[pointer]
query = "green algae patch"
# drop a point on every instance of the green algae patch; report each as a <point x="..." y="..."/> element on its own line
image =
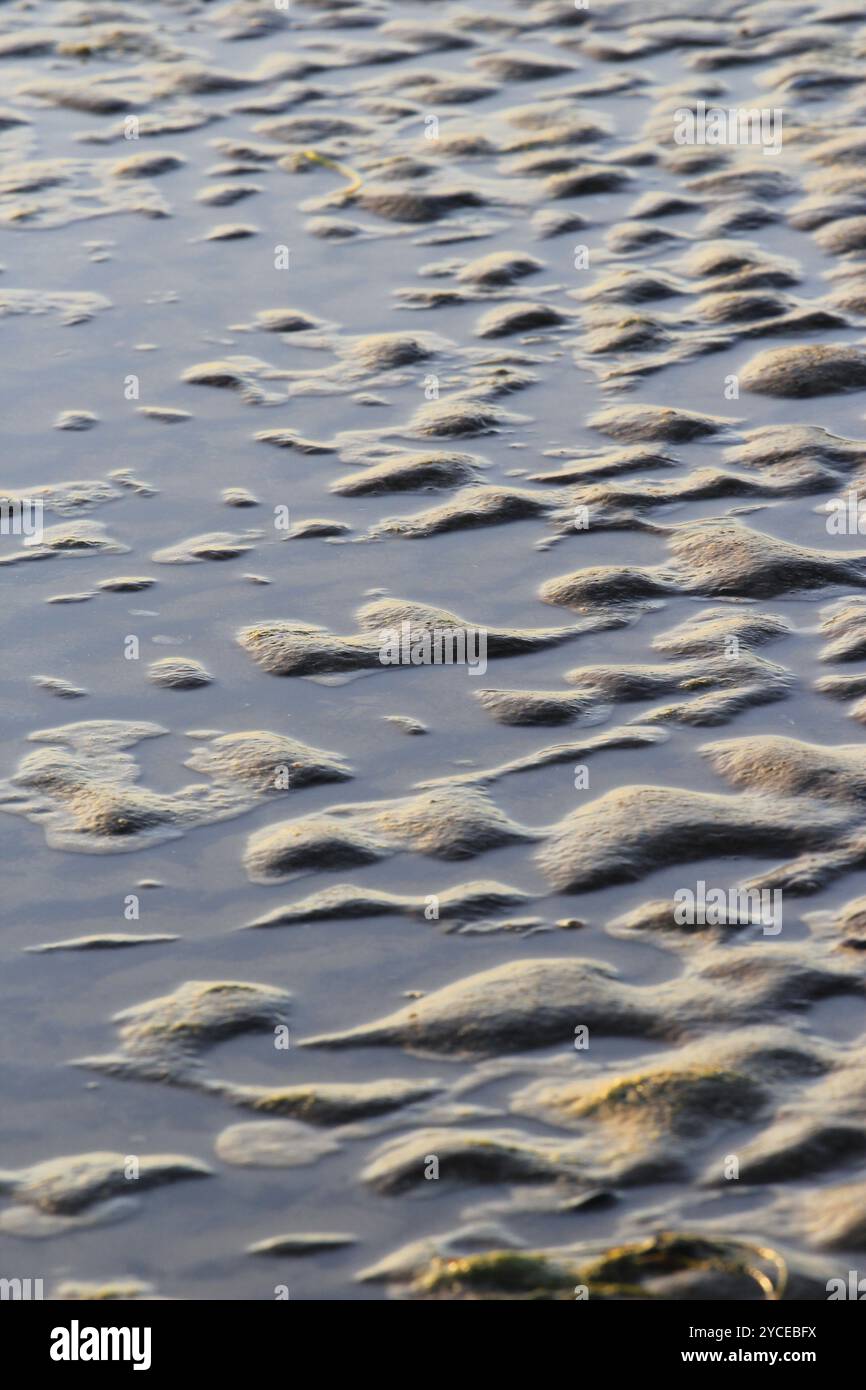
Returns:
<point x="646" y="1269"/>
<point x="498" y="1274"/>
<point x="623" y="1271"/>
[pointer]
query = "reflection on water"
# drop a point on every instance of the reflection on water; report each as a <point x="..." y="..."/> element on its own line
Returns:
<point x="329" y="323"/>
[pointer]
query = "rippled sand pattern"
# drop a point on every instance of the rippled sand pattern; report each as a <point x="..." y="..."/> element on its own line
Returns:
<point x="331" y="327"/>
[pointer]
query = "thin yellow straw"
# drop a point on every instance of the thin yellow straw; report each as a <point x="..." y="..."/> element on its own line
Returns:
<point x="355" y="178"/>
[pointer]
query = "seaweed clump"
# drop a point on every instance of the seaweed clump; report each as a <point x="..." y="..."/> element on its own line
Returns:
<point x="643" y="1269"/>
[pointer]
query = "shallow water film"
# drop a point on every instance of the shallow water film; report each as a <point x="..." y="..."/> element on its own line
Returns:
<point x="432" y="770"/>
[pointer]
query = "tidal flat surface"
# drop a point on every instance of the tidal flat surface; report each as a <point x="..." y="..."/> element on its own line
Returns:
<point x="343" y="980"/>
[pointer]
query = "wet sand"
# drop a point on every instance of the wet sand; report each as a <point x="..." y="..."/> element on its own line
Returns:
<point x="325" y="320"/>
